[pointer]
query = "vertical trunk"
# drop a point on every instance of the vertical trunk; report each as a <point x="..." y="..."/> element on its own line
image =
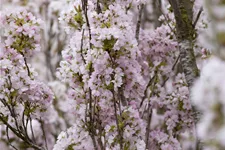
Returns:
<point x="157" y="12"/>
<point x="185" y="35"/>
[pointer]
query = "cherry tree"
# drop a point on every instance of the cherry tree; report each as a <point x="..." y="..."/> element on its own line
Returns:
<point x="123" y="81"/>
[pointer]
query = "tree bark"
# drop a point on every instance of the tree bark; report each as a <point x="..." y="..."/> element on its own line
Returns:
<point x="185" y="34"/>
<point x="157" y="12"/>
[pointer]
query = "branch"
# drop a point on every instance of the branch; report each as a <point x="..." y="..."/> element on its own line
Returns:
<point x="32" y="131"/>
<point x="44" y="135"/>
<point x="148" y="125"/>
<point x="146" y="89"/>
<point x="117" y="122"/>
<point x="28" y="70"/>
<point x="36" y="147"/>
<point x="139" y="22"/>
<point x="173" y="67"/>
<point x="92" y="130"/>
<point x="198" y="16"/>
<point x="167" y="21"/>
<point x="7" y="134"/>
<point x="81" y="46"/>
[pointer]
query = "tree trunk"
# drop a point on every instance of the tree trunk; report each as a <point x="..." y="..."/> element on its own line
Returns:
<point x="185" y="34"/>
<point x="157" y="12"/>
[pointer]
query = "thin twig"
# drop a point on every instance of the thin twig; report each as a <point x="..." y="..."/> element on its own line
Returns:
<point x="25" y="61"/>
<point x="167" y="21"/>
<point x="198" y="16"/>
<point x="173" y="67"/>
<point x="36" y="147"/>
<point x="32" y="131"/>
<point x="146" y="89"/>
<point x="81" y="46"/>
<point x="7" y="134"/>
<point x="92" y="130"/>
<point x="148" y="125"/>
<point x="25" y="125"/>
<point x="120" y="134"/>
<point x="44" y="135"/>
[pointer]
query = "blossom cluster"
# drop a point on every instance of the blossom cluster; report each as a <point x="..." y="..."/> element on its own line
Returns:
<point x="107" y="71"/>
<point x="104" y="69"/>
<point x="23" y="97"/>
<point x="22" y="31"/>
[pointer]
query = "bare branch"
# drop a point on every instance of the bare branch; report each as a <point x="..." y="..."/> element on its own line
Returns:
<point x="148" y="125"/>
<point x="198" y="16"/>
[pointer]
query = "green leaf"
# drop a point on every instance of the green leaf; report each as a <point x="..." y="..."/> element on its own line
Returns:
<point x="110" y="86"/>
<point x="112" y="128"/>
<point x="109" y="44"/>
<point x="70" y="147"/>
